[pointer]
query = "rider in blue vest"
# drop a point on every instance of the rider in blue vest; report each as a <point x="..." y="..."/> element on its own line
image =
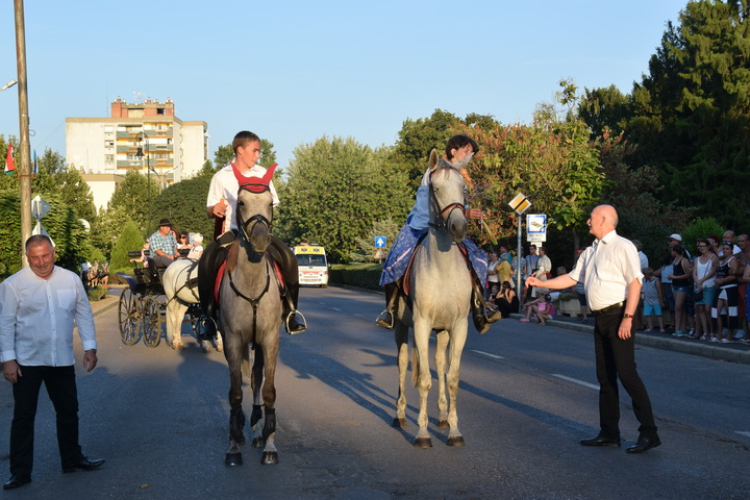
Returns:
<point x="458" y="147"/>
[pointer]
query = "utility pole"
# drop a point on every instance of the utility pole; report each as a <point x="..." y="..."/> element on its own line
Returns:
<point x="24" y="173"/>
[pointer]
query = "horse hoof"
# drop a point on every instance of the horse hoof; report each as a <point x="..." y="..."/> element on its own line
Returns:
<point x="270" y="458"/>
<point x="423" y="443"/>
<point x="233" y="459"/>
<point x="399" y="422"/>
<point x="258" y="443"/>
<point x="456" y="441"/>
<point x="443" y="424"/>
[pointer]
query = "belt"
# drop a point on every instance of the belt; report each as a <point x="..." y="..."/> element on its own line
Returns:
<point x="608" y="309"/>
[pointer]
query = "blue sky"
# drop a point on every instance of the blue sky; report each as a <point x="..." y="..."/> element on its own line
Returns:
<point x="295" y="71"/>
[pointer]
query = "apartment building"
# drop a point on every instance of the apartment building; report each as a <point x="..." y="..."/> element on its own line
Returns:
<point x="145" y="137"/>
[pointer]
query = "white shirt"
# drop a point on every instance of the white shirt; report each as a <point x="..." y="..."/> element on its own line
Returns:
<point x="37" y="318"/>
<point x="643" y="259"/>
<point x="224" y="185"/>
<point x="606" y="268"/>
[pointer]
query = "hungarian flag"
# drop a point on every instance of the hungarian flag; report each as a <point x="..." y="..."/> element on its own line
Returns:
<point x="10" y="165"/>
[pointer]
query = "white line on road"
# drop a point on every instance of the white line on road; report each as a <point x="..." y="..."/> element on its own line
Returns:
<point x="336" y="309"/>
<point x="743" y="433"/>
<point x="488" y="354"/>
<point x="576" y="381"/>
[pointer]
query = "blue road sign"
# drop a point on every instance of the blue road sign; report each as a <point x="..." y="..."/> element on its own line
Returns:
<point x="380" y="242"/>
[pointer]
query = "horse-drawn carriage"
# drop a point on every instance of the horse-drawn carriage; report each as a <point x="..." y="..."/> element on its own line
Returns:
<point x="143" y="306"/>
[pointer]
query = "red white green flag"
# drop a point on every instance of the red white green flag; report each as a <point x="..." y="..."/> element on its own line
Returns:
<point x="10" y="165"/>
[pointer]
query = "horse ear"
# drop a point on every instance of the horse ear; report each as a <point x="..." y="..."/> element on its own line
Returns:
<point x="433" y="159"/>
<point x="269" y="174"/>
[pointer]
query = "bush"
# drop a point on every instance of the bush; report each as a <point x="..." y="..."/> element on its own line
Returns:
<point x="129" y="239"/>
<point x="97" y="293"/>
<point x="361" y="275"/>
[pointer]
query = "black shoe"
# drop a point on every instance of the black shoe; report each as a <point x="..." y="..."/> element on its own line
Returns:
<point x="16" y="481"/>
<point x="295" y="323"/>
<point x="84" y="464"/>
<point x="644" y="444"/>
<point x="601" y="441"/>
<point x="385" y="319"/>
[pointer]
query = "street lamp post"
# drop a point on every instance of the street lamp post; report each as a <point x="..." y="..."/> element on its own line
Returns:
<point x="142" y="137"/>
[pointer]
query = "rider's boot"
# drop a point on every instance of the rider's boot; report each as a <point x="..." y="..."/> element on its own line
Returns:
<point x="386" y="318"/>
<point x="482" y="314"/>
<point x="294" y="321"/>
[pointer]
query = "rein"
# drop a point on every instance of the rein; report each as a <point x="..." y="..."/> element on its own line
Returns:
<point x="253" y="301"/>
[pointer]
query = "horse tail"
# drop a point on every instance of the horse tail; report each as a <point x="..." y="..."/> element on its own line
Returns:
<point x="414" y="363"/>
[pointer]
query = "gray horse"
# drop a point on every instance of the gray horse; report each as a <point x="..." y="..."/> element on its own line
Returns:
<point x="250" y="314"/>
<point x="440" y="289"/>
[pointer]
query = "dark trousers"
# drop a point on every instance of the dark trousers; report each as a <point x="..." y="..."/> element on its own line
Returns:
<point x="61" y="387"/>
<point x="215" y="254"/>
<point x="616" y="358"/>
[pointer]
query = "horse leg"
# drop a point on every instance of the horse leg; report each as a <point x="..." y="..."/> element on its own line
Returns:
<point x="175" y="313"/>
<point x="236" y="415"/>
<point x="256" y="383"/>
<point x="270" y="453"/>
<point x="458" y="339"/>
<point x="402" y="347"/>
<point x="440" y="360"/>
<point x="424" y="380"/>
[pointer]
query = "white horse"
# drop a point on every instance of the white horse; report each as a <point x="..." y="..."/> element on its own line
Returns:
<point x="181" y="288"/>
<point x="440" y="288"/>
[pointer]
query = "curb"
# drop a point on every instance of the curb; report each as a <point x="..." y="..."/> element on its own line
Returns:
<point x="685" y="346"/>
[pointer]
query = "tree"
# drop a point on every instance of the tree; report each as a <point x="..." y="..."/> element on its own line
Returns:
<point x="184" y="204"/>
<point x="128" y="239"/>
<point x="336" y="189"/>
<point x="605" y="108"/>
<point x="691" y="113"/>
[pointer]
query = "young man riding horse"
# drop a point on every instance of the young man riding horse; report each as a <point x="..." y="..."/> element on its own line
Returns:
<point x="458" y="147"/>
<point x="221" y="204"/>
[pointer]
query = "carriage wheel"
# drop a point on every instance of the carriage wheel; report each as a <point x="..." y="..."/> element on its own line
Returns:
<point x="130" y="315"/>
<point x="151" y="322"/>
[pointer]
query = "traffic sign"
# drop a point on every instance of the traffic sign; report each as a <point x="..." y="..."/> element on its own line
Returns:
<point x="380" y="242"/>
<point x="520" y="203"/>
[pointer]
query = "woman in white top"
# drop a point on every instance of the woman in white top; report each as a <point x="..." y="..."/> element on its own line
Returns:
<point x="704" y="278"/>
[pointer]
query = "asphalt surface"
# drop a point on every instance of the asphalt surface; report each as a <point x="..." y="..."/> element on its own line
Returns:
<point x="736" y="352"/>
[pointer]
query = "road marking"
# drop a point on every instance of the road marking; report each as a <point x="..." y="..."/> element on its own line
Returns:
<point x="576" y="381"/>
<point x="495" y="356"/>
<point x="336" y="309"/>
<point x="743" y="433"/>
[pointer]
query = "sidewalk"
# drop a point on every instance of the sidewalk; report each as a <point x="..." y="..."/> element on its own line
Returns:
<point x="111" y="300"/>
<point x="736" y="352"/>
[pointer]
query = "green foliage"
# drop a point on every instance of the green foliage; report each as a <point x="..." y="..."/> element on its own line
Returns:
<point x="360" y="275"/>
<point x="68" y="234"/>
<point x="700" y="228"/>
<point x="129" y="239"/>
<point x="184" y="204"/>
<point x="336" y="189"/>
<point x="691" y="113"/>
<point x="97" y="293"/>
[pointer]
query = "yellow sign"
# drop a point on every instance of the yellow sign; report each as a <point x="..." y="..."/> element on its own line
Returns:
<point x="520" y="203"/>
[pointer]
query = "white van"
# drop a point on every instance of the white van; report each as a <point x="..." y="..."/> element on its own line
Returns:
<point x="313" y="265"/>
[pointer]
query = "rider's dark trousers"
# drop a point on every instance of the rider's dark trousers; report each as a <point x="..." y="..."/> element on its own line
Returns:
<point x="215" y="254"/>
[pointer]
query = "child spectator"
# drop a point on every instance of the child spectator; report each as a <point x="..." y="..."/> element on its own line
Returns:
<point x="542" y="307"/>
<point x="653" y="299"/>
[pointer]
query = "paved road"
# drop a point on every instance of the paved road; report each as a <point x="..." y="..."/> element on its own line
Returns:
<point x="527" y="396"/>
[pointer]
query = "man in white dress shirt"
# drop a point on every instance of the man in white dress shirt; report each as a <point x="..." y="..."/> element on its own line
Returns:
<point x="611" y="273"/>
<point x="39" y="306"/>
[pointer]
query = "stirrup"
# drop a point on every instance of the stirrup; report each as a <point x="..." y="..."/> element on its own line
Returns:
<point x="288" y="321"/>
<point x="386" y="320"/>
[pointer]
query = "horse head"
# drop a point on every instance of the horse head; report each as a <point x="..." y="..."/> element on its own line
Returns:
<point x="255" y="210"/>
<point x="448" y="196"/>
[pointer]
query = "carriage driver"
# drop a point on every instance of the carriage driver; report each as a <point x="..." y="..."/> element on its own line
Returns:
<point x="458" y="147"/>
<point x="221" y="203"/>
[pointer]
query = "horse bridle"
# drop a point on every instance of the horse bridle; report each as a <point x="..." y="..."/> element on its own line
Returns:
<point x="450" y="207"/>
<point x="243" y="224"/>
